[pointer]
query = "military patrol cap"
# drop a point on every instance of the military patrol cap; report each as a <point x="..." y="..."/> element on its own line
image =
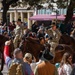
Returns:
<point x="19" y="20"/>
<point x="13" y="21"/>
<point x="53" y="24"/>
<point x="46" y="55"/>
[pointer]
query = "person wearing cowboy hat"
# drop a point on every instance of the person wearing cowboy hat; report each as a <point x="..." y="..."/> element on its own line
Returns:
<point x="54" y="35"/>
<point x="45" y="67"/>
<point x="18" y="33"/>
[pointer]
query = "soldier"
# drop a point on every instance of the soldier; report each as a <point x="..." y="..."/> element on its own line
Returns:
<point x="18" y="33"/>
<point x="54" y="35"/>
<point x="16" y="66"/>
<point x="35" y="27"/>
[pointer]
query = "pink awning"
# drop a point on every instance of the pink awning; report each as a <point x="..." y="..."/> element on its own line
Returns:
<point x="46" y="17"/>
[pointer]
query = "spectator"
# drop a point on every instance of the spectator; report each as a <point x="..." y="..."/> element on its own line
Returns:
<point x="73" y="60"/>
<point x="12" y="27"/>
<point x="73" y="71"/>
<point x="35" y="27"/>
<point x="34" y="64"/>
<point x="62" y="28"/>
<point x="16" y="66"/>
<point x="13" y="23"/>
<point x="45" y="67"/>
<point x="28" y="58"/>
<point x="40" y="33"/>
<point x="42" y="27"/>
<point x="6" y="34"/>
<point x="73" y="25"/>
<point x="4" y="29"/>
<point x="1" y="28"/>
<point x="65" y="65"/>
<point x="42" y="40"/>
<point x="46" y="38"/>
<point x="1" y="73"/>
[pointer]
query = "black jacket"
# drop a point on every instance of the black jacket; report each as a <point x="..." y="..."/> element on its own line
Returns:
<point x="73" y="71"/>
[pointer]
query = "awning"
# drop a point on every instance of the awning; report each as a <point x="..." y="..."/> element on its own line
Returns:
<point x="46" y="17"/>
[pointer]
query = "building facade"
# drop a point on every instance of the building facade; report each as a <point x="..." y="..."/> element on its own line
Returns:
<point x="49" y="11"/>
<point x="18" y="13"/>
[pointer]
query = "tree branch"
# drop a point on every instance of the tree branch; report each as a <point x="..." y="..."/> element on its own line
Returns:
<point x="11" y="2"/>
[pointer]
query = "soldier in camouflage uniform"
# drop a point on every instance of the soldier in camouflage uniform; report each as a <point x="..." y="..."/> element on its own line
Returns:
<point x="16" y="66"/>
<point x="18" y="33"/>
<point x="54" y="35"/>
<point x="73" y="34"/>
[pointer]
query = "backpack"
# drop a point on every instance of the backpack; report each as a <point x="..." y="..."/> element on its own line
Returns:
<point x="15" y="69"/>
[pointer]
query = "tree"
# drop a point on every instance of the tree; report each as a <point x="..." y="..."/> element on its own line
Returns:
<point x="6" y="4"/>
<point x="70" y="9"/>
<point x="68" y="4"/>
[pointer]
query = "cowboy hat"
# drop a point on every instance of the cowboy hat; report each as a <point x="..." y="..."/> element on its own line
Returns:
<point x="53" y="24"/>
<point x="46" y="55"/>
<point x="19" y="20"/>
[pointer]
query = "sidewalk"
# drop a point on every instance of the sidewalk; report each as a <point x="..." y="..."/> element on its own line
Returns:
<point x="5" y="70"/>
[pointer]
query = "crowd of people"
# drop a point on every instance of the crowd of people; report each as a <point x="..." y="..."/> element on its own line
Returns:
<point x="27" y="65"/>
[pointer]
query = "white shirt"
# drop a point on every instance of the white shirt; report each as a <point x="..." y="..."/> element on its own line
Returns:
<point x="67" y="69"/>
<point x="33" y="65"/>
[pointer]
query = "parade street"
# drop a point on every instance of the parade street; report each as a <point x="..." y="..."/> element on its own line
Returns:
<point x="5" y="70"/>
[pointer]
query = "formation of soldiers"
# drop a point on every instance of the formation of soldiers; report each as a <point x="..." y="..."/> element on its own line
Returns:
<point x="53" y="33"/>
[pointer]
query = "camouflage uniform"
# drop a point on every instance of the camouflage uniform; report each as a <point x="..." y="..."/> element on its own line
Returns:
<point x="18" y="35"/>
<point x="54" y="38"/>
<point x="73" y="34"/>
